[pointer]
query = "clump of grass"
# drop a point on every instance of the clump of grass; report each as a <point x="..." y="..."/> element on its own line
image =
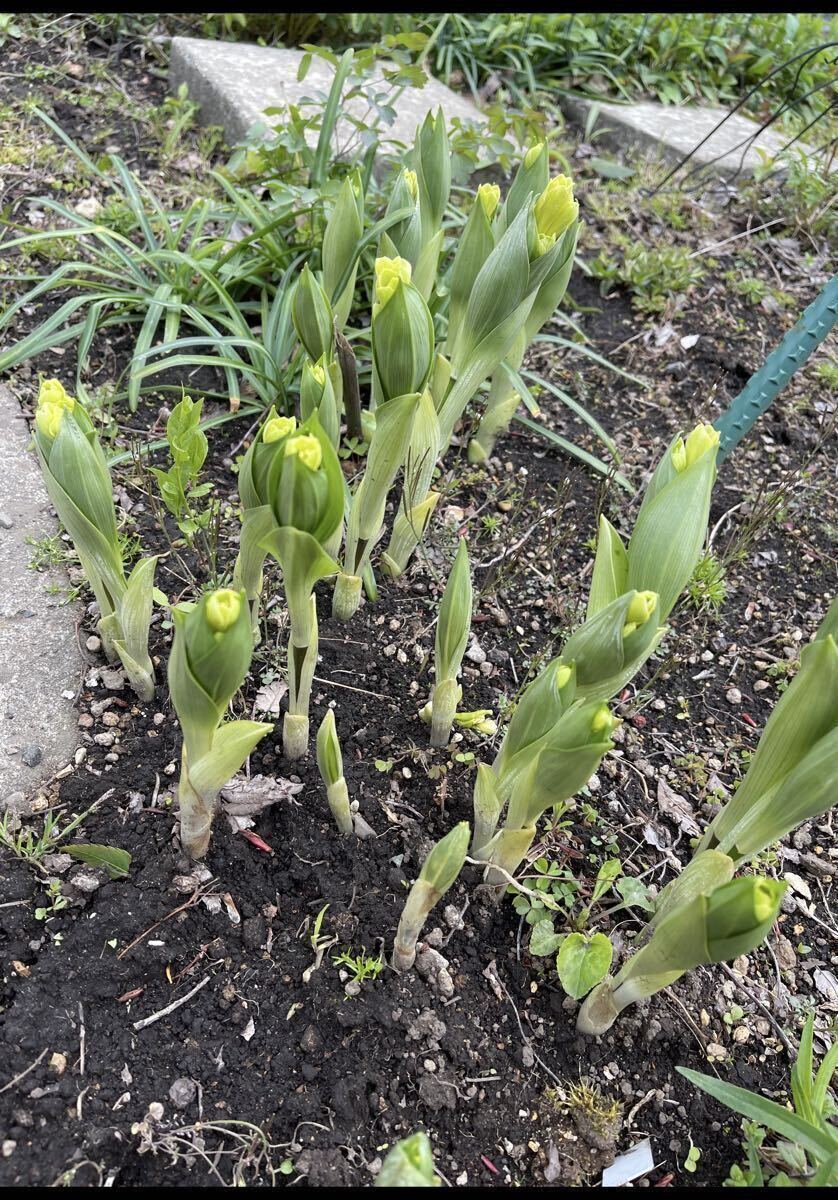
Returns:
<point x="707" y="590"/>
<point x="587" y="1104"/>
<point x="654" y="275"/>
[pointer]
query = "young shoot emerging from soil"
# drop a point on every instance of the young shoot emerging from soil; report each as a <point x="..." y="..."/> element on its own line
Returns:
<point x="439" y="870"/>
<point x="210" y="658"/>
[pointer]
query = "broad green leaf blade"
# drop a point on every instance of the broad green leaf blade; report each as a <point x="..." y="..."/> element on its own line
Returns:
<point x="590" y="460"/>
<point x="543" y="940"/>
<point x="820" y="1143"/>
<point x="610" y="574"/>
<point x="583" y="962"/>
<point x="115" y="861"/>
<point x="231" y="745"/>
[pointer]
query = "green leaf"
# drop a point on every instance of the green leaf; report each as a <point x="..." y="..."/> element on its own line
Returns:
<point x="454" y="617"/>
<point x="596" y="464"/>
<point x="543" y="940"/>
<point x="635" y="894"/>
<point x="610" y="169"/>
<point x="231" y="745"/>
<point x="583" y="962"/>
<point x="115" y="861"/>
<point x="608" y="872"/>
<point x="610" y="574"/>
<point x="820" y="1143"/>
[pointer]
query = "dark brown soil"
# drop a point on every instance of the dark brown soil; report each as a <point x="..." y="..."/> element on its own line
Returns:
<point x="331" y="1079"/>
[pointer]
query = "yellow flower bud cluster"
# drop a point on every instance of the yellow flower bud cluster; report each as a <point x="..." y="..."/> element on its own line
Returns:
<point x="278" y="428"/>
<point x="53" y="402"/>
<point x="318" y="374"/>
<point x="411" y="183"/>
<point x="389" y="273"/>
<point x="639" y="611"/>
<point x="222" y="609"/>
<point x="307" y="449"/>
<point x="489" y="196"/>
<point x="603" y="721"/>
<point x="555" y="211"/>
<point x="702" y="438"/>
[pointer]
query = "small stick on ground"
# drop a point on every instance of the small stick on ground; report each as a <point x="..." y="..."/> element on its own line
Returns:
<point x="23" y="1074"/>
<point x="193" y="899"/>
<point x="164" y="1012"/>
<point x="82" y="1039"/>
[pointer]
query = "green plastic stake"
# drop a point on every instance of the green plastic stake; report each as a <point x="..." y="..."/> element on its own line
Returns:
<point x="756" y="396"/>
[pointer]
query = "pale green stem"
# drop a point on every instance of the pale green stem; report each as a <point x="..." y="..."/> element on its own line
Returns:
<point x="485" y="825"/>
<point x="338" y="796"/>
<point x="302" y="662"/>
<point x="408" y="531"/>
<point x="107" y="637"/>
<point x="608" y="999"/>
<point x="420" y="901"/>
<point x="500" y="409"/>
<point x="196" y="814"/>
<point x="444" y="701"/>
<point x="346" y="596"/>
<point x="140" y="678"/>
<point x="508" y="850"/>
<point x="248" y="572"/>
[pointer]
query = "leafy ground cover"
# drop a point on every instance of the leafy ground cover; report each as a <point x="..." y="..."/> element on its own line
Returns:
<point x="283" y="1064"/>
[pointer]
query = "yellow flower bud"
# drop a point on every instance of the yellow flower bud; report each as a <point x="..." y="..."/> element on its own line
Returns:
<point x="48" y="418"/>
<point x="222" y="609"/>
<point x="411" y="182"/>
<point x="702" y="438"/>
<point x="563" y="674"/>
<point x="641" y="608"/>
<point x="555" y="211"/>
<point x="602" y="721"/>
<point x="389" y="273"/>
<point x="52" y="392"/>
<point x="307" y="449"/>
<point x="278" y="428"/>
<point x="318" y="374"/>
<point x="489" y="196"/>
<point x="533" y="154"/>
<point x="679" y="455"/>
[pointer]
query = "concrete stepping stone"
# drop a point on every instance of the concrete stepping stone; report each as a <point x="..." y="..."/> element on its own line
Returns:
<point x="39" y="655"/>
<point x="234" y="82"/>
<point x="675" y="131"/>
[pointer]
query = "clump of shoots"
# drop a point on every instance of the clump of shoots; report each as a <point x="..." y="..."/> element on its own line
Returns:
<point x="585" y="1100"/>
<point x="362" y="966"/>
<point x="330" y="765"/>
<point x="707" y="590"/>
<point x="78" y="481"/>
<point x="210" y="658"/>
<point x="439" y="870"/>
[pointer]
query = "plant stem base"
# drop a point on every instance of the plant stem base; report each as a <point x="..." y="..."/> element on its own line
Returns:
<point x="295" y="735"/>
<point x="347" y="596"/>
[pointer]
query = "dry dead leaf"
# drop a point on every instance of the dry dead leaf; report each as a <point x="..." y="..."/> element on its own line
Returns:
<point x="269" y="697"/>
<point x="678" y="809"/>
<point x="243" y="798"/>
